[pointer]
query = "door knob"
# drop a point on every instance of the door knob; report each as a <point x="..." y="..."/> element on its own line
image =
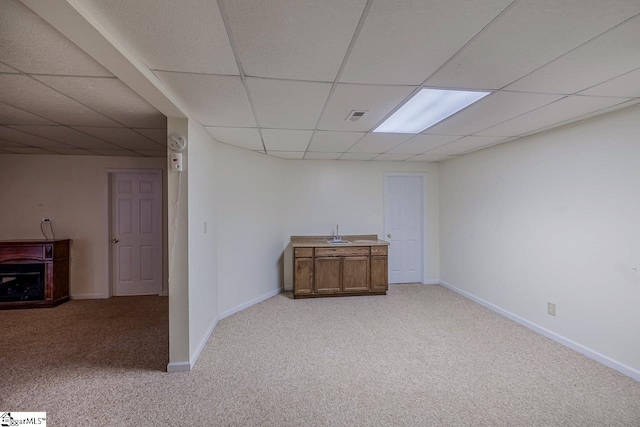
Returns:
<point x="389" y="235"/>
<point x="115" y="240"/>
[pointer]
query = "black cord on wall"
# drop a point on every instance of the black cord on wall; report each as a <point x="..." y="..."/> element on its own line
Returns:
<point x="42" y="227"/>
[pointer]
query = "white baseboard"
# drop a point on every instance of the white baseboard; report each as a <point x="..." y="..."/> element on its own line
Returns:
<point x="178" y="367"/>
<point x="249" y="303"/>
<point x="592" y="354"/>
<point x="89" y="296"/>
<point x="186" y="366"/>
<point x="194" y="358"/>
<point x="431" y="282"/>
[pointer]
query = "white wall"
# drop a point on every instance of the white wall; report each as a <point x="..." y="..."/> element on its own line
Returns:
<point x="73" y="192"/>
<point x="203" y="280"/>
<point x="178" y="254"/>
<point x="553" y="217"/>
<point x="320" y="194"/>
<point x="249" y="210"/>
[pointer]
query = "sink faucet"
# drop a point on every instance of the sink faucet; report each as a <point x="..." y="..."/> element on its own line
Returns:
<point x="337" y="236"/>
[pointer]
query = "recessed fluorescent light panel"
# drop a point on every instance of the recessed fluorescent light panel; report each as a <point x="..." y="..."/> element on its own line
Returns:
<point x="428" y="107"/>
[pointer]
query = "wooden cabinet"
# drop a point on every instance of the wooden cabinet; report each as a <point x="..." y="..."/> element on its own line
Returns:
<point x="355" y="274"/>
<point x="303" y="270"/>
<point x="333" y="271"/>
<point x="328" y="274"/>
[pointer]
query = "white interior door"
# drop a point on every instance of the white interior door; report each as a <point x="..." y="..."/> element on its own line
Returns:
<point x="403" y="219"/>
<point x="136" y="233"/>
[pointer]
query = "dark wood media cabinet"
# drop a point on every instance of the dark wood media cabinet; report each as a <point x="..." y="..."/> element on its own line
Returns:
<point x="34" y="273"/>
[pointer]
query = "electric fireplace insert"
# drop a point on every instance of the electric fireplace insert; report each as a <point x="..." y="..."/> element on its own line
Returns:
<point x="34" y="273"/>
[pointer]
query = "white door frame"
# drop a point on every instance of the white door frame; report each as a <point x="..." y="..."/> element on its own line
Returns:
<point x="423" y="209"/>
<point x="110" y="172"/>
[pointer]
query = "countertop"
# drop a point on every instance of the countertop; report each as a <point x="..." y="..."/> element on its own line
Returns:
<point x="322" y="241"/>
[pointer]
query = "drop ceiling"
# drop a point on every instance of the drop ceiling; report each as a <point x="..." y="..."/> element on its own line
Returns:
<point x="55" y="99"/>
<point x="283" y="76"/>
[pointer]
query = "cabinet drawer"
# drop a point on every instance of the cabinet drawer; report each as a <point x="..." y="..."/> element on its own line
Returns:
<point x="303" y="252"/>
<point x="378" y="250"/>
<point x="350" y="251"/>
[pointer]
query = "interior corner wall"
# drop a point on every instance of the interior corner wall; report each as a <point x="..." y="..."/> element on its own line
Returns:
<point x="73" y="192"/>
<point x="322" y="193"/>
<point x="553" y="218"/>
<point x="203" y="271"/>
<point x="178" y="258"/>
<point x="249" y="222"/>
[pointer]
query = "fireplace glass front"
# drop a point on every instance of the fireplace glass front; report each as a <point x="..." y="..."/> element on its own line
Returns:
<point x="21" y="282"/>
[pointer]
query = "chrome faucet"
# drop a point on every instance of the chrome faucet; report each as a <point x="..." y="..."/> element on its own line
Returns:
<point x="336" y="236"/>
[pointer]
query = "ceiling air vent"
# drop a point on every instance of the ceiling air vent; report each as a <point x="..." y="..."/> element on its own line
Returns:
<point x="356" y="115"/>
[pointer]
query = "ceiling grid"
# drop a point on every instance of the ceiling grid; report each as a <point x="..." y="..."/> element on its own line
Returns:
<point x="282" y="76"/>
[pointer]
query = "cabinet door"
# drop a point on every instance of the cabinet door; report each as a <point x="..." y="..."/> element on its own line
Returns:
<point x="327" y="274"/>
<point x="355" y="274"/>
<point x="303" y="276"/>
<point x="379" y="275"/>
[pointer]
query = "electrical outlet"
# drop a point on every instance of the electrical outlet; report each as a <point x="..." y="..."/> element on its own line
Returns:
<point x="551" y="308"/>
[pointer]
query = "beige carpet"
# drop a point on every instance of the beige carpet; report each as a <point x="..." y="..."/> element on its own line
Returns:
<point x="420" y="356"/>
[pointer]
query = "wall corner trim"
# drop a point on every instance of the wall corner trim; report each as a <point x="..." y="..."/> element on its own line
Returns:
<point x="592" y="354"/>
<point x="249" y="303"/>
<point x="220" y="316"/>
<point x="178" y="367"/>
<point x="203" y="343"/>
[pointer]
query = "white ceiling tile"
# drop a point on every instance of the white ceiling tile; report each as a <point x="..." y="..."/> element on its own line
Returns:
<point x="379" y="142"/>
<point x="329" y="141"/>
<point x="288" y="104"/>
<point x="6" y="69"/>
<point x="491" y="110"/>
<point x="421" y="143"/>
<point x="30" y="95"/>
<point x="31" y="45"/>
<point x="168" y="34"/>
<point x="358" y="156"/>
<point x="66" y="135"/>
<point x="428" y="158"/>
<point x="73" y="152"/>
<point x="392" y="157"/>
<point x="211" y="100"/>
<point x="13" y="116"/>
<point x="17" y="136"/>
<point x="286" y="140"/>
<point x="377" y="100"/>
<point x="158" y="135"/>
<point x="248" y="138"/>
<point x="118" y="153"/>
<point x="557" y="112"/>
<point x="405" y="42"/>
<point x="625" y="85"/>
<point x="110" y="97"/>
<point x="617" y="52"/>
<point x="152" y="153"/>
<point x="293" y="39"/>
<point x="28" y="150"/>
<point x="322" y="156"/>
<point x="468" y="143"/>
<point x="122" y="137"/>
<point x="527" y="36"/>
<point x="287" y="154"/>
